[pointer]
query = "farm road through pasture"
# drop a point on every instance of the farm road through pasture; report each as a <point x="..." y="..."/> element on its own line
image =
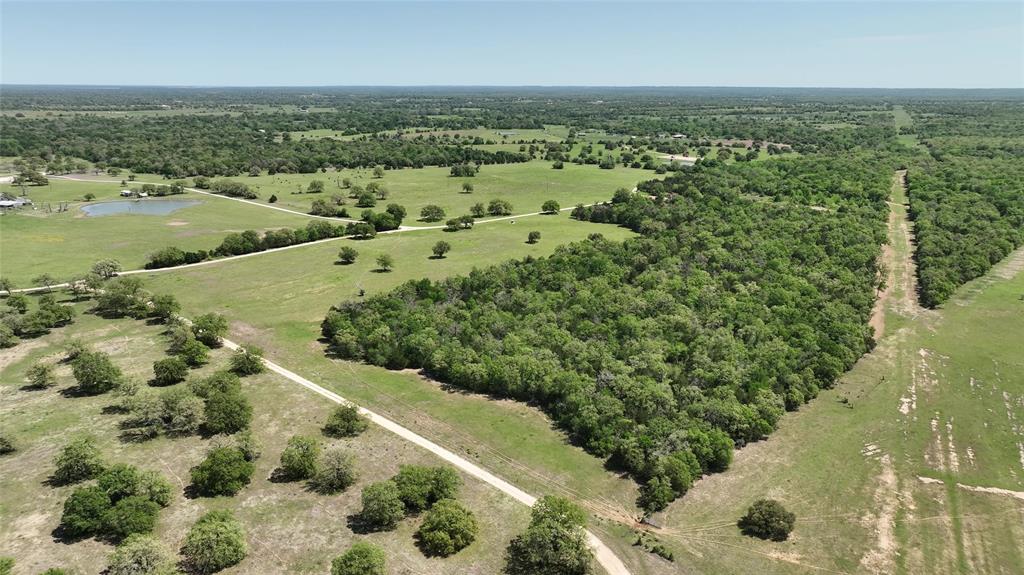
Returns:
<point x="604" y="555"/>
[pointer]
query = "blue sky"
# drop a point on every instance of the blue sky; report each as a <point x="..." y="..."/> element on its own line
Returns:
<point x="834" y="44"/>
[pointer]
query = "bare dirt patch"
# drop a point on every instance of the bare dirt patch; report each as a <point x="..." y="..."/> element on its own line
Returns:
<point x="882" y="557"/>
<point x="13" y="355"/>
<point x="177" y="223"/>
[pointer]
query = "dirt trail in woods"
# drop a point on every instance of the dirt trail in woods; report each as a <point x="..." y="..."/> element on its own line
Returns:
<point x="897" y="258"/>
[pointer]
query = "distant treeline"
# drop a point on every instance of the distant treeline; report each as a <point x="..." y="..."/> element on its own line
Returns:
<point x="189" y="145"/>
<point x="664" y="351"/>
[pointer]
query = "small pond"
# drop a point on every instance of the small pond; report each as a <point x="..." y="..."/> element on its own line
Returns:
<point x="144" y="207"/>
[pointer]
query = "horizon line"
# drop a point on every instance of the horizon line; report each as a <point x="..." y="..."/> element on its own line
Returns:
<point x="586" y="86"/>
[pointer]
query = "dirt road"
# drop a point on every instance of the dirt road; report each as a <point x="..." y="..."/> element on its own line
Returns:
<point x="604" y="555"/>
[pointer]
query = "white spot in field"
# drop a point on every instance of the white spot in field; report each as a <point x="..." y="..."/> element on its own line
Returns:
<point x="954" y="459"/>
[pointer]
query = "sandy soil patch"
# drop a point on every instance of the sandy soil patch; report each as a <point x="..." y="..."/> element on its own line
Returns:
<point x="177" y="223"/>
<point x="882" y="557"/>
<point x="13" y="355"/>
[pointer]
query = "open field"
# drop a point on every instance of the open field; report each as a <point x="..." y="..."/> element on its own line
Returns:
<point x="33" y="241"/>
<point x="289" y="528"/>
<point x="526" y="186"/>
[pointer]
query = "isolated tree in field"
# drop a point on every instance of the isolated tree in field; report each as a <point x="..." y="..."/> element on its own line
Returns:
<point x="272" y="199"/>
<point x="385" y="262"/>
<point x="361" y="559"/>
<point x="533" y="237"/>
<point x="378" y="171"/>
<point x="448" y="528"/>
<point x="315" y="187"/>
<point x="345" y="421"/>
<point x="467" y="188"/>
<point x="558" y="165"/>
<point x="107" y="268"/>
<point x="45" y="280"/>
<point x="300" y="458"/>
<point x="141" y="554"/>
<point x="382" y="506"/>
<point x="215" y="542"/>
<point x="767" y="519"/>
<point x="80" y="459"/>
<point x="94" y="372"/>
<point x="499" y="207"/>
<point x="478" y="210"/>
<point x="440" y="249"/>
<point x="225" y="471"/>
<point x="347" y="255"/>
<point x="169" y="371"/>
<point x="165" y="307"/>
<point x="335" y="473"/>
<point x="6" y="285"/>
<point x="550" y="207"/>
<point x="41" y="375"/>
<point x="227" y="411"/>
<point x="554" y="542"/>
<point x="346" y="183"/>
<point x="432" y="213"/>
<point x="209" y="328"/>
<point x="247" y="360"/>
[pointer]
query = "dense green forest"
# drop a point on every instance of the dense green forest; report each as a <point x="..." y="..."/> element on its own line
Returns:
<point x="736" y="302"/>
<point x="967" y="199"/>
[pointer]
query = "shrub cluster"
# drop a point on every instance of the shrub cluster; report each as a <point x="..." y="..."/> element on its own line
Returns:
<point x="125" y="501"/>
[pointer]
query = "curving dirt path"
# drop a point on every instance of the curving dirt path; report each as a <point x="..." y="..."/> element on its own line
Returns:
<point x="604" y="555"/>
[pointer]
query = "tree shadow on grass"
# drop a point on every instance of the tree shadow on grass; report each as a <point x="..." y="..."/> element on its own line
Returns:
<point x="360" y="526"/>
<point x="61" y="535"/>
